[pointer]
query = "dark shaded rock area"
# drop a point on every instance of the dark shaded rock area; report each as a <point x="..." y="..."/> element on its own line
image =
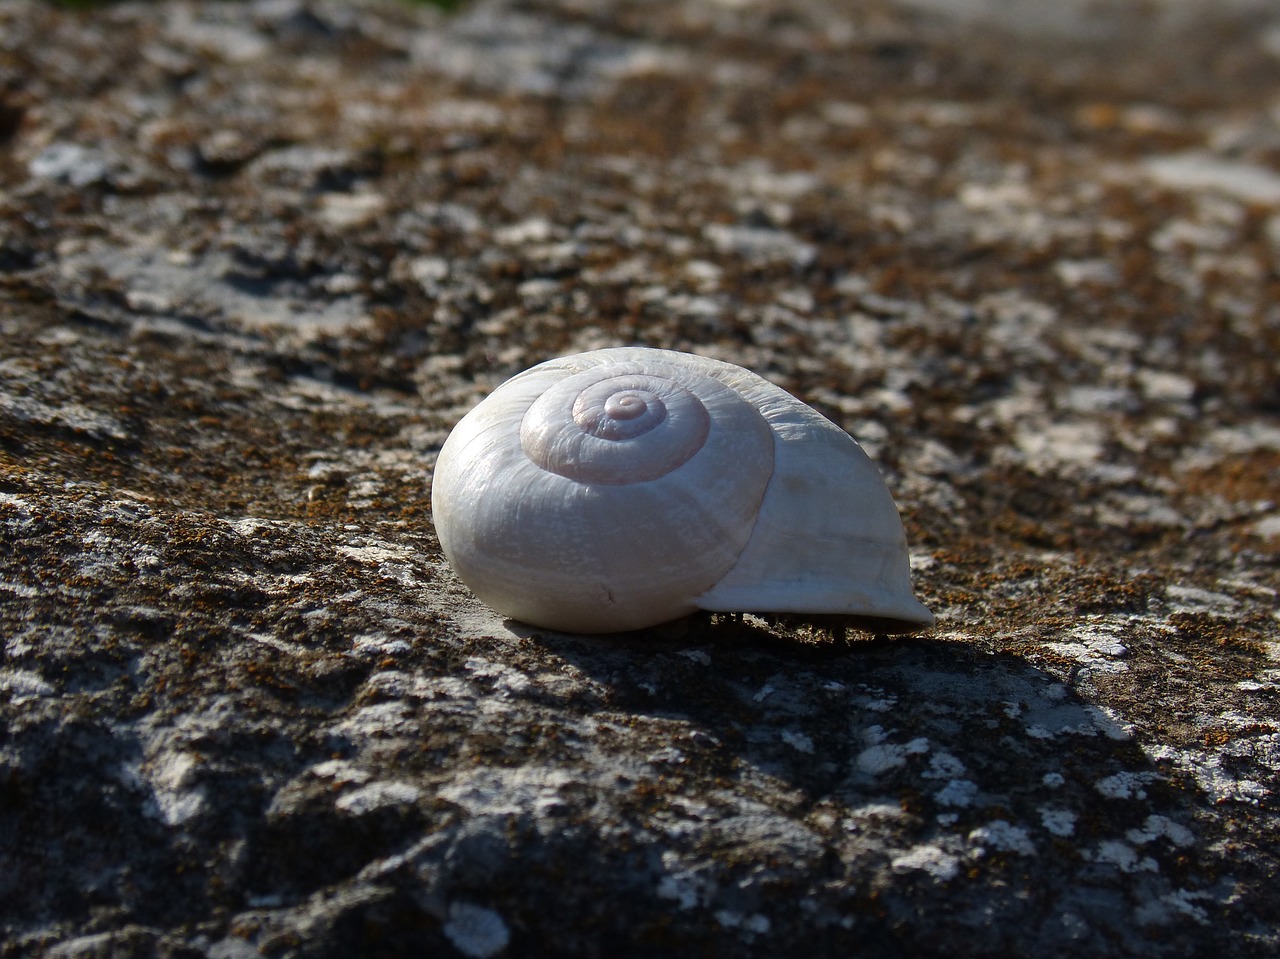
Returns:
<point x="256" y="260"/>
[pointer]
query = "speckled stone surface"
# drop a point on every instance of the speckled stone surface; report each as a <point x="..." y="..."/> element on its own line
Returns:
<point x="255" y="261"/>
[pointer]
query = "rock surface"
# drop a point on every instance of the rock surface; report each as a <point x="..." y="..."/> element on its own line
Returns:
<point x="255" y="260"/>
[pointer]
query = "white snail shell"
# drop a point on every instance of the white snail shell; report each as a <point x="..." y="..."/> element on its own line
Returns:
<point x="623" y="488"/>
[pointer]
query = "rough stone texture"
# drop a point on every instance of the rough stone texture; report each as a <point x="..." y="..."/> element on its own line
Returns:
<point x="258" y="259"/>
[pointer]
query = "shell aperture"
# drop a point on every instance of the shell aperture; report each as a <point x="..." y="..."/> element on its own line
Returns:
<point x="623" y="488"/>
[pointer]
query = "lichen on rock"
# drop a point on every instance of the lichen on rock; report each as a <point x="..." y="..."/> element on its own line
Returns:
<point x="256" y="260"/>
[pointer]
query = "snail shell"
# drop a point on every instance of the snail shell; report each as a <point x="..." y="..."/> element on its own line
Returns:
<point x="623" y="488"/>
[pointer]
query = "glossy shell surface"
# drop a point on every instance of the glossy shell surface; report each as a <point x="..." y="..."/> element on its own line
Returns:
<point x="623" y="488"/>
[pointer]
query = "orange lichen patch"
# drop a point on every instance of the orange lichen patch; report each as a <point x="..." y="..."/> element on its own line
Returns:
<point x="1226" y="635"/>
<point x="1247" y="478"/>
<point x="1105" y="593"/>
<point x="1098" y="116"/>
<point x="1215" y="737"/>
<point x="1257" y="729"/>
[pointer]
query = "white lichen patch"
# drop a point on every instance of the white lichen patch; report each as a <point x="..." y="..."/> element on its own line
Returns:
<point x="1197" y="171"/>
<point x="503" y="678"/>
<point x="1002" y="836"/>
<point x="1079" y="272"/>
<point x="758" y="179"/>
<point x="797" y="741"/>
<point x="65" y="415"/>
<point x="457" y="113"/>
<point x="378" y="795"/>
<point x="1268" y="527"/>
<point x="957" y="793"/>
<point x="760" y="244"/>
<point x="505" y="792"/>
<point x="1220" y="783"/>
<point x="476" y="931"/>
<point x="1125" y="785"/>
<point x="18" y="511"/>
<point x="1165" y="386"/>
<point x="685" y="887"/>
<point x="756" y="826"/>
<point x="393" y="562"/>
<point x="1253" y="686"/>
<point x="1121" y="855"/>
<point x="340" y="771"/>
<point x="1058" y="822"/>
<point x="1122" y="509"/>
<point x="1054" y="445"/>
<point x="1173" y="907"/>
<point x="377" y="644"/>
<point x="1161" y="827"/>
<point x="350" y="210"/>
<point x="1050" y="716"/>
<point x="669" y="755"/>
<point x="943" y="765"/>
<point x="1192" y="599"/>
<point x="754" y="923"/>
<point x="204" y="284"/>
<point x="872" y="813"/>
<point x="175" y="792"/>
<point x="927" y="858"/>
<point x="877" y="702"/>
<point x="23" y="685"/>
<point x="378" y="720"/>
<point x="1097" y="645"/>
<point x="879" y="757"/>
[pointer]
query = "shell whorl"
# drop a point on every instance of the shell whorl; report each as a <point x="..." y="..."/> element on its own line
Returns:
<point x="555" y="498"/>
<point x="602" y="426"/>
<point x="618" y="489"/>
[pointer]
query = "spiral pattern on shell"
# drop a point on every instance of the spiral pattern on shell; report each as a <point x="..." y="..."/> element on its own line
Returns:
<point x="621" y="428"/>
<point x="628" y="444"/>
<point x="621" y="488"/>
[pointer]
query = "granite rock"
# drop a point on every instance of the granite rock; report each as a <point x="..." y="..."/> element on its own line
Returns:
<point x="256" y="259"/>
